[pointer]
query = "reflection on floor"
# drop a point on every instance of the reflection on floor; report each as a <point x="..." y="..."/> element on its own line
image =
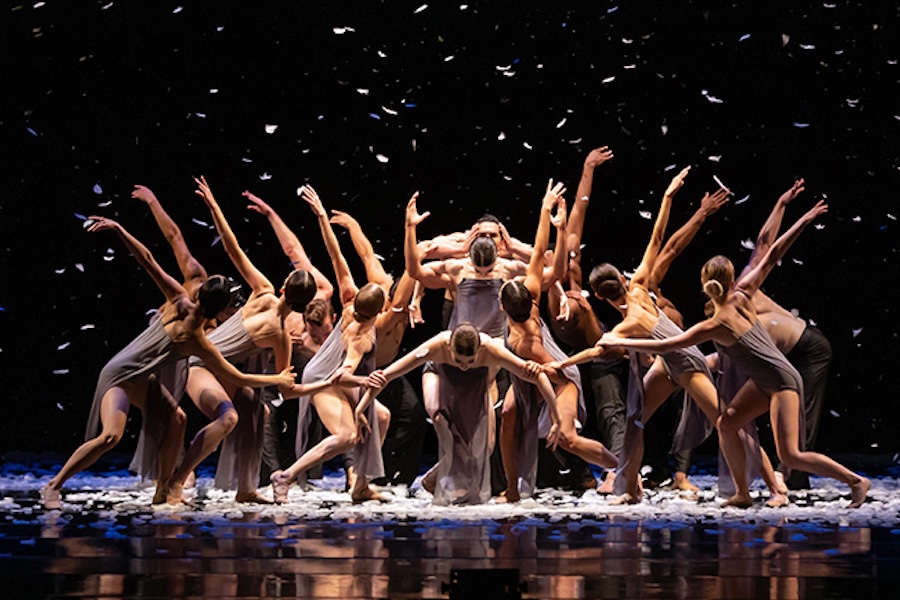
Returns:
<point x="107" y="542"/>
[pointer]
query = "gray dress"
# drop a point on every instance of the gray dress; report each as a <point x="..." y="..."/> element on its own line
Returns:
<point x="533" y="416"/>
<point x="152" y="352"/>
<point x="478" y="302"/>
<point x="367" y="459"/>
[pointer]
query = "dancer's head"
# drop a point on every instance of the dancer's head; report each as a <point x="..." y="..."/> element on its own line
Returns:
<point x="483" y="253"/>
<point x="717" y="276"/>
<point x="298" y="289"/>
<point x="318" y="319"/>
<point x="464" y="343"/>
<point x="488" y="226"/>
<point x="516" y="300"/>
<point x="368" y="302"/>
<point x="607" y="282"/>
<point x="215" y="296"/>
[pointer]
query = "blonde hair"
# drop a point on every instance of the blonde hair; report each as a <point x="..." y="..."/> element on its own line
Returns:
<point x="717" y="275"/>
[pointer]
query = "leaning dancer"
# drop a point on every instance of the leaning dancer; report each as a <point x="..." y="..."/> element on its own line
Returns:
<point x="738" y="334"/>
<point x="349" y="349"/>
<point x="529" y="337"/>
<point x="162" y="350"/>
<point x="466" y="361"/>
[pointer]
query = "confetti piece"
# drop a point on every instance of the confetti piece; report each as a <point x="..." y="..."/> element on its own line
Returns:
<point x="585" y="294"/>
<point x="857" y="219"/>
<point x="742" y="200"/>
<point x="801" y="125"/>
<point x="719" y="181"/>
<point x="31" y="131"/>
<point x="856" y="332"/>
<point x="746" y="36"/>
<point x="891" y="217"/>
<point x="665" y="130"/>
<point x="265" y="176"/>
<point x="808" y="46"/>
<point x="87" y="223"/>
<point x="388" y="110"/>
<point x="715" y="158"/>
<point x="382" y="158"/>
<point x="835" y="413"/>
<point x="711" y="99"/>
<point x="63" y="346"/>
<point x="646" y="214"/>
<point x="748" y="244"/>
<point x="105" y="6"/>
<point x="97" y="188"/>
<point x="449" y="58"/>
<point x="270" y="129"/>
<point x="80" y="267"/>
<point x="527" y="145"/>
<point x="60" y="371"/>
<point x="785" y="38"/>
<point x="561" y="123"/>
<point x="420" y="9"/>
<point x="201" y="115"/>
<point x="502" y="136"/>
<point x="669" y="168"/>
<point x="201" y="223"/>
<point x="88" y="326"/>
<point x="247" y="160"/>
<point x="819" y="226"/>
<point x="177" y="10"/>
<point x="60" y="271"/>
<point x="608" y="79"/>
<point x="59" y="406"/>
<point x="213" y="91"/>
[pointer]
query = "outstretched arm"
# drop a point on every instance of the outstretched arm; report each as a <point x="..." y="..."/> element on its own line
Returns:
<point x="699" y="333"/>
<point x="425" y="352"/>
<point x="769" y="231"/>
<point x="346" y="285"/>
<point x="375" y="272"/>
<point x="642" y="274"/>
<point x="221" y="368"/>
<point x="575" y="227"/>
<point x="170" y="288"/>
<point x="681" y="238"/>
<point x="534" y="274"/>
<point x="429" y="277"/>
<point x="254" y="278"/>
<point x="750" y="281"/>
<point x="291" y="246"/>
<point x="192" y="272"/>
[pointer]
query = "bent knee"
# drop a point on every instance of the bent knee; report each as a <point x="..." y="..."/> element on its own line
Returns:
<point x="228" y="419"/>
<point x="110" y="439"/>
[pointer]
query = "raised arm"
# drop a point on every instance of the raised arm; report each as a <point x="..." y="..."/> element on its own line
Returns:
<point x="375" y="272"/>
<point x="167" y="284"/>
<point x="642" y="274"/>
<point x="575" y="227"/>
<point x="346" y="285"/>
<point x="770" y="228"/>
<point x="681" y="238"/>
<point x="192" y="272"/>
<point x="291" y="245"/>
<point x="751" y="280"/>
<point x="254" y="278"/>
<point x="535" y="272"/>
<point x="427" y="274"/>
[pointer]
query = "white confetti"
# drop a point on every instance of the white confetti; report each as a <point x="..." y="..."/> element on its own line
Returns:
<point x="420" y="9"/>
<point x="715" y="158"/>
<point x="104" y="204"/>
<point x="80" y="267"/>
<point x="819" y="226"/>
<point x="742" y="200"/>
<point x="59" y="406"/>
<point x="797" y="261"/>
<point x="857" y="219"/>
<point x="665" y="130"/>
<point x="891" y="217"/>
<point x="60" y="271"/>
<point x="109" y="258"/>
<point x="463" y="6"/>
<point x="585" y="294"/>
<point x="388" y="110"/>
<point x="785" y="38"/>
<point x="63" y="346"/>
<point x="502" y="136"/>
<point x="646" y="214"/>
<point x="270" y="129"/>
<point x="247" y="160"/>
<point x="746" y="36"/>
<point x="362" y="91"/>
<point x="719" y="181"/>
<point x="669" y="168"/>
<point x="856" y="332"/>
<point x="88" y="326"/>
<point x="60" y="371"/>
<point x="561" y="123"/>
<point x="801" y="125"/>
<point x="97" y="188"/>
<point x="340" y="30"/>
<point x="449" y="58"/>
<point x="748" y="244"/>
<point x="39" y="4"/>
<point x="105" y="6"/>
<point x="201" y="115"/>
<point x="201" y="223"/>
<point x="608" y="79"/>
<point x="265" y="177"/>
<point x="382" y="158"/>
<point x="178" y="9"/>
<point x="710" y="98"/>
<point x="835" y="413"/>
<point x="213" y="90"/>
<point x="527" y="145"/>
<point x="808" y="46"/>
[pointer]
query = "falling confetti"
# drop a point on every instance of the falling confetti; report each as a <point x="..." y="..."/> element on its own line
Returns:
<point x="646" y="214"/>
<point x="382" y="158"/>
<point x="748" y="244"/>
<point x="270" y="129"/>
<point x="420" y="9"/>
<point x="856" y="332"/>
<point x="97" y="188"/>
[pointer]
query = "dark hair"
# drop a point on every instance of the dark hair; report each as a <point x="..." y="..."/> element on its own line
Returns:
<point x="299" y="289"/>
<point x="368" y="302"/>
<point x="318" y="311"/>
<point x="606" y="281"/>
<point x="214" y="296"/>
<point x="393" y="289"/>
<point x="237" y="293"/>
<point x="489" y="218"/>
<point x="465" y="339"/>
<point x="483" y="252"/>
<point x="516" y="300"/>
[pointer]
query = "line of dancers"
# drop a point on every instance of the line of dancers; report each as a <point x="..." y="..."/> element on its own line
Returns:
<point x="495" y="382"/>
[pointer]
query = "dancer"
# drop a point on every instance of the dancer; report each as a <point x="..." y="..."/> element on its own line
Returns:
<point x="161" y="350"/>
<point x="530" y="339"/>
<point x="350" y="349"/>
<point x="465" y="360"/>
<point x="738" y="334"/>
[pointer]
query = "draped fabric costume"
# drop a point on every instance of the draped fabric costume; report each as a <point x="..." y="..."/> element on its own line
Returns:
<point x="533" y="417"/>
<point x="694" y="427"/>
<point x="478" y="302"/>
<point x="754" y="356"/>
<point x="234" y="343"/>
<point x="152" y="352"/>
<point x="367" y="460"/>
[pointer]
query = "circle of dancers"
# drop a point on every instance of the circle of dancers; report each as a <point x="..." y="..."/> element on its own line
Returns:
<point x="285" y="382"/>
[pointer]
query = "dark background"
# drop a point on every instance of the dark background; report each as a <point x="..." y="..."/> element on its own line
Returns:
<point x="491" y="100"/>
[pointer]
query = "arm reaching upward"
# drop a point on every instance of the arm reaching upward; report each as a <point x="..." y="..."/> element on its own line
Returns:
<point x="642" y="274"/>
<point x="254" y="278"/>
<point x="375" y="272"/>
<point x="426" y="274"/>
<point x="291" y="246"/>
<point x="534" y="274"/>
<point x="575" y="228"/>
<point x="751" y="280"/>
<point x="769" y="231"/>
<point x="681" y="238"/>
<point x="346" y="285"/>
<point x="192" y="272"/>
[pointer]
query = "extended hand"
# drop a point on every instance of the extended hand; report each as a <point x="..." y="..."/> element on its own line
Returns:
<point x="413" y="217"/>
<point x="143" y="193"/>
<point x="376" y="379"/>
<point x="342" y="219"/>
<point x="710" y="204"/>
<point x="677" y="181"/>
<point x="597" y="157"/>
<point x="205" y="192"/>
<point x="98" y="223"/>
<point x="312" y="198"/>
<point x="256" y="204"/>
<point x="792" y="193"/>
<point x="286" y="378"/>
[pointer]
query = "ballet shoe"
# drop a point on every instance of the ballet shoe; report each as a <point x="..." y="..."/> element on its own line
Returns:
<point x="280" y="487"/>
<point x="51" y="499"/>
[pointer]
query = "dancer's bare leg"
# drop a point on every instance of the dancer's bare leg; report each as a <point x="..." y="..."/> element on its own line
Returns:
<point x="248" y="460"/>
<point x="785" y="413"/>
<point x="113" y="416"/>
<point x="744" y="407"/>
<point x="592" y="451"/>
<point x="508" y="447"/>
<point x="172" y="441"/>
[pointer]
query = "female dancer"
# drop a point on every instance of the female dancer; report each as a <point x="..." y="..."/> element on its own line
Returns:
<point x="739" y="335"/>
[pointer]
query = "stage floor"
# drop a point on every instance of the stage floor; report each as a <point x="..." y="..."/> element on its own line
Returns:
<point x="107" y="542"/>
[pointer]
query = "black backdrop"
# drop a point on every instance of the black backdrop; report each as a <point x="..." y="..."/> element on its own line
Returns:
<point x="476" y="105"/>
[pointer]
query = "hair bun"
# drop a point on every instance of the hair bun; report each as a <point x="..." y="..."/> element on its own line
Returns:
<point x="713" y="288"/>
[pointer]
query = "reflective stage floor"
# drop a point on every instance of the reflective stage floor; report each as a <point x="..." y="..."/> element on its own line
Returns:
<point x="107" y="542"/>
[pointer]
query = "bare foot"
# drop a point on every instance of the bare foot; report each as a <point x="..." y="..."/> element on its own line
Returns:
<point x="738" y="501"/>
<point x="508" y="496"/>
<point x="190" y="480"/>
<point x="607" y="486"/>
<point x="175" y="493"/>
<point x="367" y="494"/>
<point x="780" y="486"/>
<point x="159" y="496"/>
<point x="253" y="497"/>
<point x="280" y="485"/>
<point x="681" y="483"/>
<point x="51" y="499"/>
<point x="429" y="480"/>
<point x="858" y="492"/>
<point x="624" y="499"/>
<point x="777" y="500"/>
